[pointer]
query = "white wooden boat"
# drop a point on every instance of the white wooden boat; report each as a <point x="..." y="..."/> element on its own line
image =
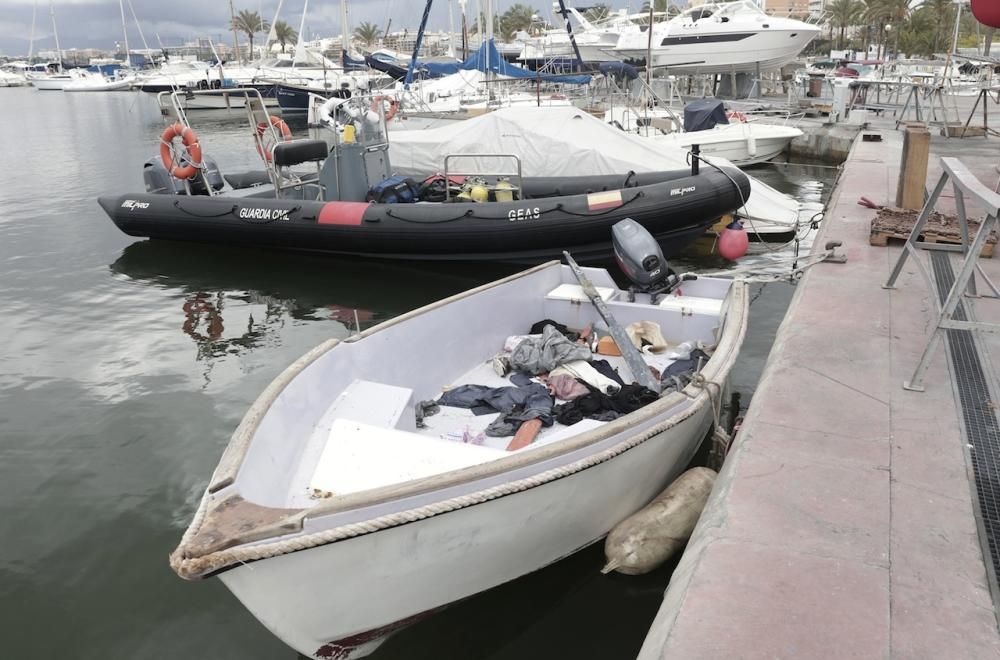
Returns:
<point x="741" y="143"/>
<point x="98" y="84"/>
<point x="336" y="521"/>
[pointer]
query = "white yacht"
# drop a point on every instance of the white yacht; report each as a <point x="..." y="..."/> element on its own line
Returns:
<point x="593" y="39"/>
<point x="730" y="37"/>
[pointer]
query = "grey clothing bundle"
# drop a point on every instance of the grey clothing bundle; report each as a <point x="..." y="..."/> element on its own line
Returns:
<point x="538" y="355"/>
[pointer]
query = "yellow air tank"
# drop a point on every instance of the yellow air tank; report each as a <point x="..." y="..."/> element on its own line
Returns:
<point x="504" y="190"/>
<point x="479" y="193"/>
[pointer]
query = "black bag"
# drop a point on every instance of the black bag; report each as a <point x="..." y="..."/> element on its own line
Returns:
<point x="394" y="190"/>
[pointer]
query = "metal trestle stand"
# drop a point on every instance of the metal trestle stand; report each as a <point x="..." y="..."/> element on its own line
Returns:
<point x="964" y="185"/>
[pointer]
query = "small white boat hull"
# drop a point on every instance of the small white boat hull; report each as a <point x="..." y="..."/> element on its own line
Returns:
<point x="741" y="144"/>
<point x="98" y="86"/>
<point x="215" y="101"/>
<point x="51" y="84"/>
<point x="327" y="599"/>
<point x="393" y="539"/>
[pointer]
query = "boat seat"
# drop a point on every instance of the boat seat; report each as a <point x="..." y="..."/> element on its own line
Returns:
<point x="297" y="152"/>
<point x="688" y="305"/>
<point x="574" y="292"/>
<point x="247" y="179"/>
<point x="374" y="403"/>
<point x="360" y="456"/>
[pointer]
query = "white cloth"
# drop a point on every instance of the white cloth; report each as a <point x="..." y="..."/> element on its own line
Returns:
<point x="582" y="370"/>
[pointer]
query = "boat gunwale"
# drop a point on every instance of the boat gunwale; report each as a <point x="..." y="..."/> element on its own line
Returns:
<point x="262" y="538"/>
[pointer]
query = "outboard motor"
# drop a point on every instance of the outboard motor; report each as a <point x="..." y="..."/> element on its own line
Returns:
<point x="210" y="173"/>
<point x="160" y="182"/>
<point x="641" y="259"/>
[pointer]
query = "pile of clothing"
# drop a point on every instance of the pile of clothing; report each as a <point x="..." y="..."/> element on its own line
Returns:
<point x="554" y="363"/>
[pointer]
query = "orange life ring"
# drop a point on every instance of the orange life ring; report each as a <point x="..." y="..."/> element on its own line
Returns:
<point x="190" y="141"/>
<point x="736" y="116"/>
<point x="278" y="123"/>
<point x="393" y="106"/>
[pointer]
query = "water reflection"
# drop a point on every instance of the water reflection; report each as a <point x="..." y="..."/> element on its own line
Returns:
<point x="233" y="299"/>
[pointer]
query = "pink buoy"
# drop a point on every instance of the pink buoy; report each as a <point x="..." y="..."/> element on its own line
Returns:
<point x="987" y="12"/>
<point x="733" y="242"/>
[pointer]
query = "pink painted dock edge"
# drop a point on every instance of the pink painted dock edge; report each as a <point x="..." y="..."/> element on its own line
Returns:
<point x="843" y="525"/>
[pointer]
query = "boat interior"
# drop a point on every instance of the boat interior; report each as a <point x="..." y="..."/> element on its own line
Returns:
<point x="354" y="405"/>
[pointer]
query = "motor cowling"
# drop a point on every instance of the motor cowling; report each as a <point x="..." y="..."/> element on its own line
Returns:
<point x="639" y="255"/>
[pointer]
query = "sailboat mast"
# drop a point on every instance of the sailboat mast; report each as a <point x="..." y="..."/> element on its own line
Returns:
<point x="416" y="47"/>
<point x="569" y="30"/>
<point x="121" y="6"/>
<point x="451" y="28"/>
<point x="55" y="33"/>
<point x="344" y="43"/>
<point x="31" y="39"/>
<point x="236" y="39"/>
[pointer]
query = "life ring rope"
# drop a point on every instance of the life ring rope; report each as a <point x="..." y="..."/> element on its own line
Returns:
<point x="393" y="106"/>
<point x="191" y="148"/>
<point x="279" y="125"/>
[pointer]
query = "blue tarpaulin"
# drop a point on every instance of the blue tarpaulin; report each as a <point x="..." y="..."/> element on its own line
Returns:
<point x="488" y="58"/>
<point x="618" y="68"/>
<point x="704" y="114"/>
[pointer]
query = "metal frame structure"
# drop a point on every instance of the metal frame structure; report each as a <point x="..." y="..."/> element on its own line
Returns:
<point x="448" y="173"/>
<point x="256" y="112"/>
<point x="964" y="183"/>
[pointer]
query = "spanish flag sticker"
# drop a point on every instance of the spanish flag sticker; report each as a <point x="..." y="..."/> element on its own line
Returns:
<point x="604" y="200"/>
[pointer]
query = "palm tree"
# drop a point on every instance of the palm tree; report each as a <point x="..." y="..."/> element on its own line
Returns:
<point x="845" y="14"/>
<point x="284" y="33"/>
<point x="515" y="19"/>
<point x="251" y="23"/>
<point x="943" y="14"/>
<point x="367" y="33"/>
<point x="660" y="6"/>
<point x="882" y="13"/>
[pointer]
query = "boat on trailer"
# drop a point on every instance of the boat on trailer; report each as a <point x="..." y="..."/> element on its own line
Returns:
<point x="328" y="208"/>
<point x="338" y="514"/>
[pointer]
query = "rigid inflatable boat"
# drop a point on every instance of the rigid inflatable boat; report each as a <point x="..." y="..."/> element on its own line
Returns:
<point x="518" y="219"/>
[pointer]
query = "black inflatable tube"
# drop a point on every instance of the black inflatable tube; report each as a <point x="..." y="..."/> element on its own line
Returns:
<point x="675" y="211"/>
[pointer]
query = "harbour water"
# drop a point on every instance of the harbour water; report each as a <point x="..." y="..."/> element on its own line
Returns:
<point x="127" y="364"/>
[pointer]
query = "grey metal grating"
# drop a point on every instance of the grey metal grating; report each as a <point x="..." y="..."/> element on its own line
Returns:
<point x="981" y="425"/>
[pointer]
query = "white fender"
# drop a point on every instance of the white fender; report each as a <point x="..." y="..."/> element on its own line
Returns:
<point x="327" y="110"/>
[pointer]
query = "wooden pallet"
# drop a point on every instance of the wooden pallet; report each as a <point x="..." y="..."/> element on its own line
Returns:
<point x="897" y="224"/>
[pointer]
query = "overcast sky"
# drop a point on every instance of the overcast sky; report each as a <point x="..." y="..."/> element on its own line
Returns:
<point x="97" y="23"/>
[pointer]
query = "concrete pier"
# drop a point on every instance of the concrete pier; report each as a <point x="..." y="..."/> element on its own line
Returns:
<point x="844" y="523"/>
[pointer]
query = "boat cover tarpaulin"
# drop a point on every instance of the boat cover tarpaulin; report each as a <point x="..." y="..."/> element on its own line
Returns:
<point x="488" y="58"/>
<point x="704" y="114"/>
<point x="618" y="69"/>
<point x="558" y="141"/>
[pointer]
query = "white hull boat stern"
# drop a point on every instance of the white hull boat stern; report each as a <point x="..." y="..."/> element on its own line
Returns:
<point x="733" y="37"/>
<point x="336" y="519"/>
<point x="740" y="143"/>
